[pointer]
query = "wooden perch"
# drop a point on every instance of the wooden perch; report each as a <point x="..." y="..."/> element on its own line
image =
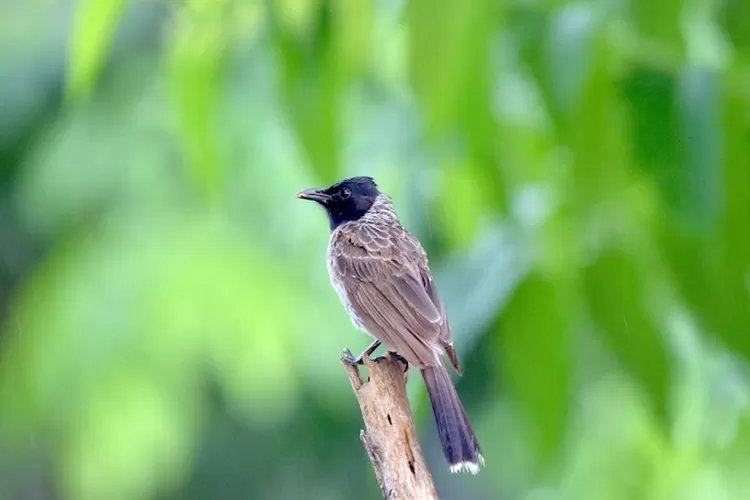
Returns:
<point x="389" y="436"/>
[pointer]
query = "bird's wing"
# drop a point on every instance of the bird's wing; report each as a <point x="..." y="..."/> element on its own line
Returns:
<point x="446" y="336"/>
<point x="382" y="272"/>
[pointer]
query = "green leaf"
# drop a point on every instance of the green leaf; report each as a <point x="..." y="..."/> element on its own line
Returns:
<point x="650" y="95"/>
<point x="659" y="21"/>
<point x="452" y="75"/>
<point x="617" y="292"/>
<point x="733" y="240"/>
<point x="314" y="78"/>
<point x="195" y="68"/>
<point x="535" y="344"/>
<point x="705" y="235"/>
<point x="94" y="29"/>
<point x="448" y="50"/>
<point x="735" y="18"/>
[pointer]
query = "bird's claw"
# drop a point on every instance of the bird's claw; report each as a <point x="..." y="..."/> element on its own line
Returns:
<point x="348" y="358"/>
<point x="401" y="360"/>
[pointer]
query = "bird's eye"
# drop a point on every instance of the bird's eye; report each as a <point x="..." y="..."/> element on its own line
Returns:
<point x="345" y="193"/>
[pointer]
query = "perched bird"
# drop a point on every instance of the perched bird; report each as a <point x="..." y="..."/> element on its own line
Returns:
<point x="381" y="275"/>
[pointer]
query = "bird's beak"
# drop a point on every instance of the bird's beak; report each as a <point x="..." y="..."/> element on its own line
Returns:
<point x="318" y="195"/>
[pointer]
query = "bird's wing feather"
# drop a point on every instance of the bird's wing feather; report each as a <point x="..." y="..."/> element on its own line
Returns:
<point x="446" y="336"/>
<point x="381" y="274"/>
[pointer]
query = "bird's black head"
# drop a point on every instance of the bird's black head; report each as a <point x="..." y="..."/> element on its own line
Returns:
<point x="346" y="200"/>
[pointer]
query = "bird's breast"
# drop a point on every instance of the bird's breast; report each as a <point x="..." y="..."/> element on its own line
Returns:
<point x="337" y="280"/>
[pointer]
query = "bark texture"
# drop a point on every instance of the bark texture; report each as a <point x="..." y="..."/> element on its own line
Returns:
<point x="389" y="436"/>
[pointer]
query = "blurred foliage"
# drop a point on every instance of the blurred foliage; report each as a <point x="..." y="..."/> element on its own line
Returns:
<point x="579" y="173"/>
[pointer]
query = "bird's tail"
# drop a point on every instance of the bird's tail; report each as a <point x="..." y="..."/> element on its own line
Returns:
<point x="456" y="435"/>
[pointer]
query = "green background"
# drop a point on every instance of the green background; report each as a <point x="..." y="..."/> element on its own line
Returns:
<point x="579" y="173"/>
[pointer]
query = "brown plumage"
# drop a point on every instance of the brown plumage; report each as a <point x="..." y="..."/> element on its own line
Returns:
<point x="383" y="271"/>
<point x="382" y="276"/>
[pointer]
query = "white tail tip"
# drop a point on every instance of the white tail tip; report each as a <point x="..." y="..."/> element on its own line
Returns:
<point x="472" y="467"/>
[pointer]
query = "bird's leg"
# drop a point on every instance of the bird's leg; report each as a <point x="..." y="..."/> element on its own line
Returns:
<point x="348" y="358"/>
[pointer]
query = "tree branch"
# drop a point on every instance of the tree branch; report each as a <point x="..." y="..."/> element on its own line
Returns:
<point x="389" y="436"/>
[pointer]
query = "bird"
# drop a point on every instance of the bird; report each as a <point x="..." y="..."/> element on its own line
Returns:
<point x="382" y="277"/>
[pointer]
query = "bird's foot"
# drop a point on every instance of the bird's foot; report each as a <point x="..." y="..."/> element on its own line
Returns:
<point x="348" y="358"/>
